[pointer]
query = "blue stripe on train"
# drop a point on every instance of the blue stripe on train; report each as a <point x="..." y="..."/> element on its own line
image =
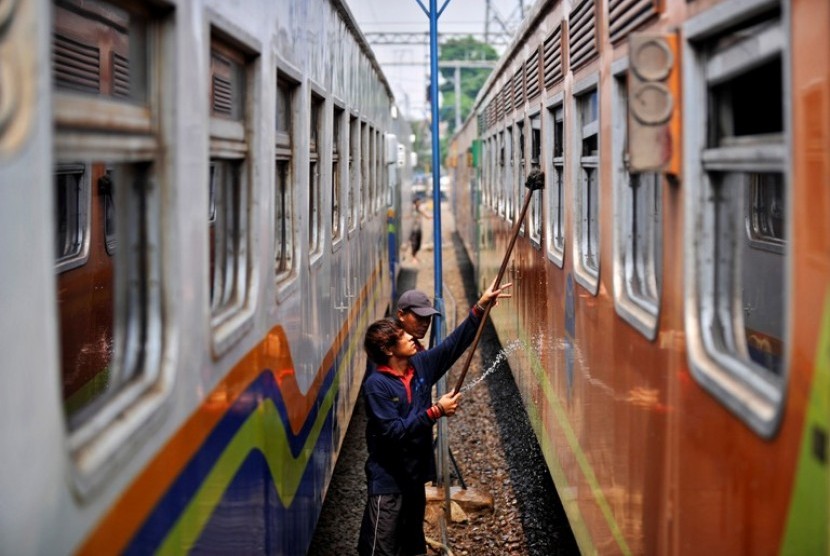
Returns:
<point x="175" y="500"/>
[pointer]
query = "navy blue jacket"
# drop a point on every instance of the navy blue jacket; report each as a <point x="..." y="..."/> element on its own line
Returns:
<point x="399" y="431"/>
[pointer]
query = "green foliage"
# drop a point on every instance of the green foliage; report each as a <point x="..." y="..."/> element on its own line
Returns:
<point x="472" y="79"/>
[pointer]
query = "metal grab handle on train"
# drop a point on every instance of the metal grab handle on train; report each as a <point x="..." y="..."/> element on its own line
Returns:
<point x="536" y="180"/>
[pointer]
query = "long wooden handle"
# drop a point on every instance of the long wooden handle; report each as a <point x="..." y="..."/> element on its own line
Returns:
<point x="496" y="284"/>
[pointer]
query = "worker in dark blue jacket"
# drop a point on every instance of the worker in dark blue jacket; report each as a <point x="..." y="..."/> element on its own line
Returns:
<point x="401" y="414"/>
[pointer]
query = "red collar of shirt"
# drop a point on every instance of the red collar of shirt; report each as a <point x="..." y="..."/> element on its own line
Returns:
<point x="405" y="378"/>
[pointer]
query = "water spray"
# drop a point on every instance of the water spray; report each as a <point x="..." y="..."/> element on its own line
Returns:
<point x="495" y="365"/>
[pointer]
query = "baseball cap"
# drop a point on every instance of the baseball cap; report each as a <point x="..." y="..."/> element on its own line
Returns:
<point x="417" y="302"/>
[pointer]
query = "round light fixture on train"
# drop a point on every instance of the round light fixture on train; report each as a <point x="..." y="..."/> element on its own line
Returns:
<point x="652" y="60"/>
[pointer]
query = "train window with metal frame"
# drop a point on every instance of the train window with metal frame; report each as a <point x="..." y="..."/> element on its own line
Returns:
<point x="521" y="172"/>
<point x="379" y="173"/>
<point x="501" y="173"/>
<point x="586" y="185"/>
<point x="230" y="191"/>
<point x="736" y="316"/>
<point x="369" y="162"/>
<point x="383" y="176"/>
<point x="378" y="162"/>
<point x="765" y="219"/>
<point x="495" y="161"/>
<point x="353" y="190"/>
<point x="492" y="160"/>
<point x="315" y="208"/>
<point x="111" y="75"/>
<point x="509" y="173"/>
<point x="535" y="164"/>
<point x="337" y="144"/>
<point x="284" y="244"/>
<point x="485" y="172"/>
<point x="377" y="152"/>
<point x="638" y="220"/>
<point x="374" y="177"/>
<point x="72" y="201"/>
<point x="107" y="193"/>
<point x="555" y="170"/>
<point x="365" y="168"/>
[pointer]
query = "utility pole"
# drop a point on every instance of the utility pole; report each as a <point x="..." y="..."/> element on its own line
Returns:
<point x="457" y="98"/>
<point x="487" y="22"/>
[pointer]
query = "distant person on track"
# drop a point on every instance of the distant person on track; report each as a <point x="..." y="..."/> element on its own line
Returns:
<point x="416" y="234"/>
<point x="415" y="312"/>
<point x="400" y="417"/>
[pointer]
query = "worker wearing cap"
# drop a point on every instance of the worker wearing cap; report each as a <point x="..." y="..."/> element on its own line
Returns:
<point x="400" y="416"/>
<point x="415" y="312"/>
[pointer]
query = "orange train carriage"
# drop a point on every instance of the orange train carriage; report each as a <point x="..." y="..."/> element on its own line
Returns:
<point x="671" y="281"/>
<point x="196" y="205"/>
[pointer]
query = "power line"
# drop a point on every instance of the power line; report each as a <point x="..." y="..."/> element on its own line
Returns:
<point x="421" y="38"/>
<point x="470" y="64"/>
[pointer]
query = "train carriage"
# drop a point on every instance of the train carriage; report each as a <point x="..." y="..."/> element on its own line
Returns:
<point x="671" y="279"/>
<point x="196" y="200"/>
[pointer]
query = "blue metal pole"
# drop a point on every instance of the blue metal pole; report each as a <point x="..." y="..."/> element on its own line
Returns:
<point x="438" y="322"/>
<point x="433" y="14"/>
<point x="436" y="148"/>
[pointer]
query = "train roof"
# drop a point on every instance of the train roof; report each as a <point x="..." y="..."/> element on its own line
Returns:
<point x="349" y="19"/>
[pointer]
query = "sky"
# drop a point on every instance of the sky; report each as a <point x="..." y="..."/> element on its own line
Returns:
<point x="406" y="67"/>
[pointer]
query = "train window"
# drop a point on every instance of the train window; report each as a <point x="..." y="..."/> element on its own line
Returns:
<point x="556" y="182"/>
<point x="494" y="172"/>
<point x="737" y="199"/>
<point x="379" y="165"/>
<point x="284" y="188"/>
<point x="337" y="143"/>
<point x="371" y="191"/>
<point x="521" y="172"/>
<point x="535" y="163"/>
<point x="72" y="199"/>
<point x="377" y="153"/>
<point x="637" y="230"/>
<point x="501" y="175"/>
<point x="106" y="190"/>
<point x="509" y="172"/>
<point x="96" y="360"/>
<point x="354" y="176"/>
<point x="373" y="177"/>
<point x="485" y="172"/>
<point x="229" y="190"/>
<point x="586" y="188"/>
<point x="228" y="234"/>
<point x="483" y="162"/>
<point x="212" y="195"/>
<point x="490" y="166"/>
<point x="765" y="210"/>
<point x="315" y="220"/>
<point x="364" y="171"/>
<point x="109" y="100"/>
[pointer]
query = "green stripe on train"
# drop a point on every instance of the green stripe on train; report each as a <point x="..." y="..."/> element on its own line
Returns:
<point x="807" y="531"/>
<point x="578" y="525"/>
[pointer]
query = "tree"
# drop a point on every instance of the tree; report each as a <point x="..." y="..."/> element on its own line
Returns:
<point x="472" y="79"/>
